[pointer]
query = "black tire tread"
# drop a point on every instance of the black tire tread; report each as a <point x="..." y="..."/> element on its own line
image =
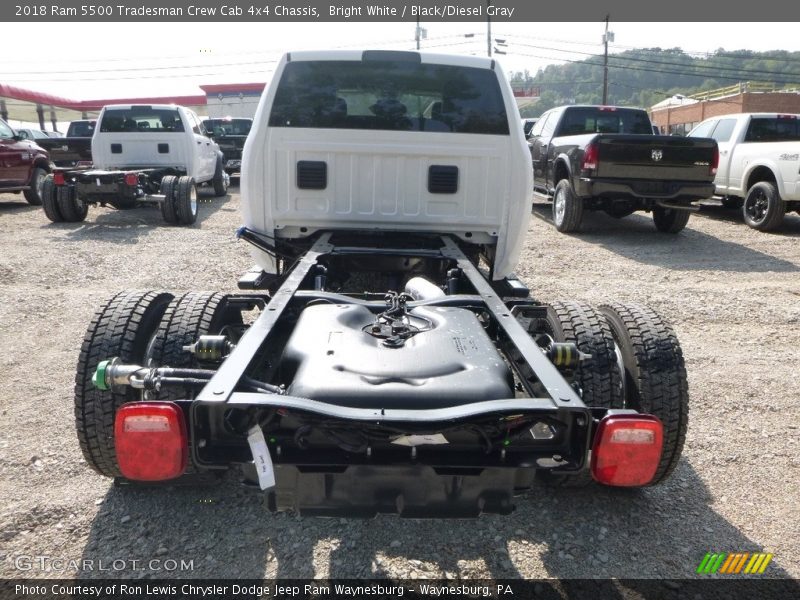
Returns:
<point x="72" y="209"/>
<point x="31" y="194"/>
<point x="657" y="375"/>
<point x="573" y="210"/>
<point x="219" y="180"/>
<point x="50" y="200"/>
<point x="187" y="318"/>
<point x="167" y="187"/>
<point x="670" y="220"/>
<point x="183" y="209"/>
<point x="121" y="327"/>
<point x="775" y="213"/>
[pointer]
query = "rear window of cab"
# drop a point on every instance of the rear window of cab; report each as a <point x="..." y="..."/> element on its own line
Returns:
<point x="389" y="95"/>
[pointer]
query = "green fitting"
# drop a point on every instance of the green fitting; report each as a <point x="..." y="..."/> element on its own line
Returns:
<point x="99" y="377"/>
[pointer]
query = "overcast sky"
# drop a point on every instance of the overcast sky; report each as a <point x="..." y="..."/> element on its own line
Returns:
<point x="114" y="60"/>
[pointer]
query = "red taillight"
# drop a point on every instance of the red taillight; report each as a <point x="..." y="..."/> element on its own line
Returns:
<point x="131" y="179"/>
<point x="151" y="441"/>
<point x="627" y="450"/>
<point x="58" y="178"/>
<point x="590" y="157"/>
<point x="715" y="161"/>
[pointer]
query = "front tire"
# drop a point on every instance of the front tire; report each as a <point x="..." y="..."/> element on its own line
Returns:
<point x="122" y="328"/>
<point x="567" y="208"/>
<point x="763" y="207"/>
<point x="35" y="193"/>
<point x="185" y="201"/>
<point x="670" y="220"/>
<point x="655" y="375"/>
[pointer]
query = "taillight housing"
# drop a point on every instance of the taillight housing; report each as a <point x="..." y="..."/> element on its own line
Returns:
<point x="58" y="178"/>
<point x="151" y="441"/>
<point x="627" y="450"/>
<point x="590" y="157"/>
<point x="131" y="179"/>
<point x="715" y="161"/>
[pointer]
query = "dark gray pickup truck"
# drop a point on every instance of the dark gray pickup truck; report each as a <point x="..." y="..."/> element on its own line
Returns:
<point x="74" y="150"/>
<point x="606" y="158"/>
<point x="230" y="134"/>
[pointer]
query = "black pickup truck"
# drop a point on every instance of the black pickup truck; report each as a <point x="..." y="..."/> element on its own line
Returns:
<point x="230" y="134"/>
<point x="606" y="158"/>
<point x="74" y="150"/>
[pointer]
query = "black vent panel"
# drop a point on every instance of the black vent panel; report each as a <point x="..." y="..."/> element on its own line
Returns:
<point x="442" y="179"/>
<point x="116" y="148"/>
<point x="312" y="174"/>
<point x="163" y="148"/>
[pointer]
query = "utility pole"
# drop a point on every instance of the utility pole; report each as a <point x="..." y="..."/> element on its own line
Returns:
<point x="606" y="38"/>
<point x="488" y="29"/>
<point x="417" y="32"/>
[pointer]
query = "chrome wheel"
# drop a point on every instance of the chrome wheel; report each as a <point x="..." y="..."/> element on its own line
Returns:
<point x="559" y="206"/>
<point x="193" y="200"/>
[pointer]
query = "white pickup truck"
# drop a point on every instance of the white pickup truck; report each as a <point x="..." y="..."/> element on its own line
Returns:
<point x="759" y="164"/>
<point x="142" y="154"/>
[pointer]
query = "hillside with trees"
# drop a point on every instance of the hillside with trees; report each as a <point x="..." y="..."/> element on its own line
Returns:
<point x="646" y="76"/>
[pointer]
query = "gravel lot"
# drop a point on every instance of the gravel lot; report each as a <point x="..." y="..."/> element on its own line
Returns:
<point x="731" y="293"/>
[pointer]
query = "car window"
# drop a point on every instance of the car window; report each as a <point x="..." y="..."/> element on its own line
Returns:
<point x="81" y="129"/>
<point x="589" y="119"/>
<point x="142" y="119"/>
<point x="550" y="125"/>
<point x="229" y="126"/>
<point x="5" y="131"/>
<point x="723" y="130"/>
<point x="704" y="129"/>
<point x="773" y="129"/>
<point x="389" y="95"/>
<point x="539" y="126"/>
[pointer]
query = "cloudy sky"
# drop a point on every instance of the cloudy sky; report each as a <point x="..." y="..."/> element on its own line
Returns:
<point x="114" y="60"/>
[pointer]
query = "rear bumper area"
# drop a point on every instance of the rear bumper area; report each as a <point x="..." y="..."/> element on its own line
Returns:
<point x="415" y="491"/>
<point x="641" y="188"/>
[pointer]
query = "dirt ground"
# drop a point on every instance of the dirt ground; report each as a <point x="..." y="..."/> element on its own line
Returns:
<point x="731" y="293"/>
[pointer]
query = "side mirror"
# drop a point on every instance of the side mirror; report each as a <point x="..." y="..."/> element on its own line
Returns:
<point x="21" y="135"/>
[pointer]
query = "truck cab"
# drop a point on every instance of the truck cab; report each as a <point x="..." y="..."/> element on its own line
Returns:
<point x="434" y="147"/>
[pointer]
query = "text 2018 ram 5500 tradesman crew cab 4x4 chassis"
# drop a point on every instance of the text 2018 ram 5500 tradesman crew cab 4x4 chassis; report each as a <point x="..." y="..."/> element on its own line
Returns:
<point x="396" y="364"/>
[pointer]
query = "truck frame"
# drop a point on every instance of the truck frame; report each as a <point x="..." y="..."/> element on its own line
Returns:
<point x="381" y="370"/>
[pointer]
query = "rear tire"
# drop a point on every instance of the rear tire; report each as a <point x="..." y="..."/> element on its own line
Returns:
<point x="35" y="193"/>
<point x="122" y="328"/>
<point x="187" y="318"/>
<point x="185" y="199"/>
<point x="598" y="377"/>
<point x="655" y="375"/>
<point x="50" y="200"/>
<point x="670" y="220"/>
<point x="567" y="208"/>
<point x="763" y="208"/>
<point x="73" y="209"/>
<point x="167" y="188"/>
<point x="220" y="181"/>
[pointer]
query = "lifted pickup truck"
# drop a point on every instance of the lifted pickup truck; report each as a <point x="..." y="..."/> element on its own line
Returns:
<point x="759" y="169"/>
<point x="142" y="155"/>
<point x="24" y="165"/>
<point x="396" y="364"/>
<point x="606" y="158"/>
<point x="74" y="150"/>
<point x="230" y="133"/>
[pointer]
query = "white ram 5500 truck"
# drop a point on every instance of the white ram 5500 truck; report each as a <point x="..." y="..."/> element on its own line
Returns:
<point x="142" y="154"/>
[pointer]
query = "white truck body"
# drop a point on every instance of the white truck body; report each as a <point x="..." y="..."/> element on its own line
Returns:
<point x="378" y="178"/>
<point x="745" y="153"/>
<point x="146" y="136"/>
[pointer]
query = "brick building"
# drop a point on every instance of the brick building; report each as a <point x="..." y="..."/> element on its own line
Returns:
<point x="680" y="114"/>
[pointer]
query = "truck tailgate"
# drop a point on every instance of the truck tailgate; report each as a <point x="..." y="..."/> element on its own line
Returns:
<point x="67" y="152"/>
<point x="657" y="157"/>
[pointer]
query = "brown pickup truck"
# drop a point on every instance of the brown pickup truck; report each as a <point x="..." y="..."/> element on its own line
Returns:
<point x="23" y="165"/>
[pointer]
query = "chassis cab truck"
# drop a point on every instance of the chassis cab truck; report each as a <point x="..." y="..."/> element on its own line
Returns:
<point x="396" y="363"/>
<point x="142" y="154"/>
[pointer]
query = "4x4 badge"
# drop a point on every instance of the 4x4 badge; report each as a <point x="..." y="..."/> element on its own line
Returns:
<point x="656" y="155"/>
